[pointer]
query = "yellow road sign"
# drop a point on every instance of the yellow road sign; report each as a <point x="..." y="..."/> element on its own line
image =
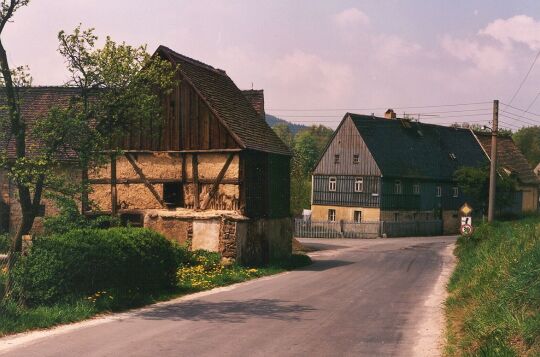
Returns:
<point x="466" y="209"/>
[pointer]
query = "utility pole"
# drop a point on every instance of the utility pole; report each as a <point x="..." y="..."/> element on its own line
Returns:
<point x="493" y="165"/>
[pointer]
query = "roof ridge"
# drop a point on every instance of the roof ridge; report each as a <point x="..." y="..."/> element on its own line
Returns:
<point x="364" y="116"/>
<point x="191" y="60"/>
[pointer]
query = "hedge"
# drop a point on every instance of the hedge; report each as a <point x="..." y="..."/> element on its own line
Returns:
<point x="82" y="262"/>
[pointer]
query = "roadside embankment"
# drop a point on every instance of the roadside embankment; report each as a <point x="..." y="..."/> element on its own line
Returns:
<point x="493" y="308"/>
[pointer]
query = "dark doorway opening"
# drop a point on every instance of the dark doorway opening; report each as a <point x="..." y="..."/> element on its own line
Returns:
<point x="173" y="194"/>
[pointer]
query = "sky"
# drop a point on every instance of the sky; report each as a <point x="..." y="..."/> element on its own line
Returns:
<point x="318" y="59"/>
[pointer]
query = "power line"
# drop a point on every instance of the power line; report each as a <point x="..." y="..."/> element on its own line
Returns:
<point x="533" y="101"/>
<point x="379" y="108"/>
<point x="525" y="78"/>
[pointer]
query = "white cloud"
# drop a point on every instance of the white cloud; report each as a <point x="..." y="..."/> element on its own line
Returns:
<point x="486" y="58"/>
<point x="520" y="29"/>
<point x="351" y="17"/>
<point x="311" y="77"/>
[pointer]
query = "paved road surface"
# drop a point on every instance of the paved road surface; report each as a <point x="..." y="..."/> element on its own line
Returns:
<point x="361" y="298"/>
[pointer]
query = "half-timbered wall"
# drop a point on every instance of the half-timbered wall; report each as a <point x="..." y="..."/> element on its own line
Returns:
<point x="187" y="124"/>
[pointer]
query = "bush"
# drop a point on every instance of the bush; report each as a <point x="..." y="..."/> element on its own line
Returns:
<point x="81" y="263"/>
<point x="5" y="243"/>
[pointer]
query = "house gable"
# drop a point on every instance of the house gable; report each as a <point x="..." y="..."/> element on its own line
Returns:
<point x="347" y="142"/>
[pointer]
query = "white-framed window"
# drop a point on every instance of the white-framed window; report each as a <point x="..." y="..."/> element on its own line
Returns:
<point x="332" y="215"/>
<point x="356" y="159"/>
<point x="455" y="191"/>
<point x="416" y="189"/>
<point x="397" y="187"/>
<point x="358" y="184"/>
<point x="357" y="217"/>
<point x="336" y="159"/>
<point x="396" y="216"/>
<point x="439" y="191"/>
<point x="332" y="183"/>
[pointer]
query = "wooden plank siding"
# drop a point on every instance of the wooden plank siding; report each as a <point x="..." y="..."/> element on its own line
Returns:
<point x="346" y="143"/>
<point x="344" y="194"/>
<point x="187" y="124"/>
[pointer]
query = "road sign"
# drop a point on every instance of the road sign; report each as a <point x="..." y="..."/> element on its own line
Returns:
<point x="466" y="220"/>
<point x="465" y="210"/>
<point x="466" y="230"/>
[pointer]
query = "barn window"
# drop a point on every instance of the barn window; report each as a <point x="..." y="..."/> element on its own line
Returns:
<point x="439" y="191"/>
<point x="455" y="192"/>
<point x="356" y="159"/>
<point x="132" y="220"/>
<point x="396" y="216"/>
<point x="332" y="184"/>
<point x="416" y="189"/>
<point x="336" y="159"/>
<point x="173" y="194"/>
<point x="358" y="184"/>
<point x="357" y="216"/>
<point x="332" y="215"/>
<point x="397" y="187"/>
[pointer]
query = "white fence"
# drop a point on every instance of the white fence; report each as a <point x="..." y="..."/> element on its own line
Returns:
<point x="325" y="229"/>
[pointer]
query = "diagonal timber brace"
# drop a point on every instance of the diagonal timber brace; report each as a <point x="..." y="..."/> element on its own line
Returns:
<point x="144" y="179"/>
<point x="219" y="178"/>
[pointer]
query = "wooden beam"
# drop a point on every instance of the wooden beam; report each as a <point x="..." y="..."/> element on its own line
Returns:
<point x="195" y="172"/>
<point x="219" y="178"/>
<point x="114" y="192"/>
<point x="145" y="180"/>
<point x="135" y="181"/>
<point x="202" y="151"/>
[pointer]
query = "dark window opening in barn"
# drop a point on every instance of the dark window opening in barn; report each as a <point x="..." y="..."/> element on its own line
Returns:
<point x="332" y="184"/>
<point x="357" y="216"/>
<point x="397" y="187"/>
<point x="358" y="184"/>
<point x="416" y="189"/>
<point x="336" y="159"/>
<point x="332" y="215"/>
<point x="132" y="220"/>
<point x="173" y="194"/>
<point x="396" y="216"/>
<point x="356" y="159"/>
<point x="455" y="191"/>
<point x="439" y="191"/>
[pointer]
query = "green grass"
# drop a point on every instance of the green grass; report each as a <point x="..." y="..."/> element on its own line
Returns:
<point x="16" y="318"/>
<point x="493" y="308"/>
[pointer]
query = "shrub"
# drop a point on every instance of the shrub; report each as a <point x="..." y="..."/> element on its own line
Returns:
<point x="5" y="243"/>
<point x="81" y="263"/>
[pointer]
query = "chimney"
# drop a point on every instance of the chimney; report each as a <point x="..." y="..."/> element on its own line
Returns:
<point x="390" y="114"/>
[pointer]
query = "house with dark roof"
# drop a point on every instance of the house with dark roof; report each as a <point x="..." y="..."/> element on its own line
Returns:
<point x="391" y="169"/>
<point x="212" y="173"/>
<point x="512" y="162"/>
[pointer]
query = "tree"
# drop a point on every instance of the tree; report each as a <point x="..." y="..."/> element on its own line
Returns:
<point x="283" y="131"/>
<point x="120" y="88"/>
<point x="528" y="141"/>
<point x="474" y="182"/>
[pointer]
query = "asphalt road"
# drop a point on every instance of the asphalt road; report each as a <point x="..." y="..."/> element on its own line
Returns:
<point x="360" y="298"/>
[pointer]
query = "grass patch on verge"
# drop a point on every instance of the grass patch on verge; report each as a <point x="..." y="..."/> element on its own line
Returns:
<point x="204" y="271"/>
<point x="493" y="308"/>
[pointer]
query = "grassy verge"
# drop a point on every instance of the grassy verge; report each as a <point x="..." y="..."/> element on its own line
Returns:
<point x="202" y="273"/>
<point x="494" y="304"/>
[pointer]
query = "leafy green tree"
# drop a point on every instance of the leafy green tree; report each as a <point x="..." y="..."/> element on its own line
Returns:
<point x="528" y="141"/>
<point x="283" y="131"/>
<point x="474" y="182"/>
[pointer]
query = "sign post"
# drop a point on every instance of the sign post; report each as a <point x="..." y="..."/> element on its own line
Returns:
<point x="466" y="228"/>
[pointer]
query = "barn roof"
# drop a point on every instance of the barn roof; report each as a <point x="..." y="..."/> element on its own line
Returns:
<point x="404" y="148"/>
<point x="35" y="103"/>
<point x="228" y="103"/>
<point x="509" y="157"/>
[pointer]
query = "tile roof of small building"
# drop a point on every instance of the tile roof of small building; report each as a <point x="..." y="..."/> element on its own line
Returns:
<point x="509" y="157"/>
<point x="35" y="104"/>
<point x="409" y="149"/>
<point x="228" y="103"/>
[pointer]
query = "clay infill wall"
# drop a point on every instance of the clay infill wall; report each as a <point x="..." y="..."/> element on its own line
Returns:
<point x="159" y="168"/>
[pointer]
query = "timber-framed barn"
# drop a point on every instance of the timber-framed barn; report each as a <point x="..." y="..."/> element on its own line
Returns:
<point x="212" y="174"/>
